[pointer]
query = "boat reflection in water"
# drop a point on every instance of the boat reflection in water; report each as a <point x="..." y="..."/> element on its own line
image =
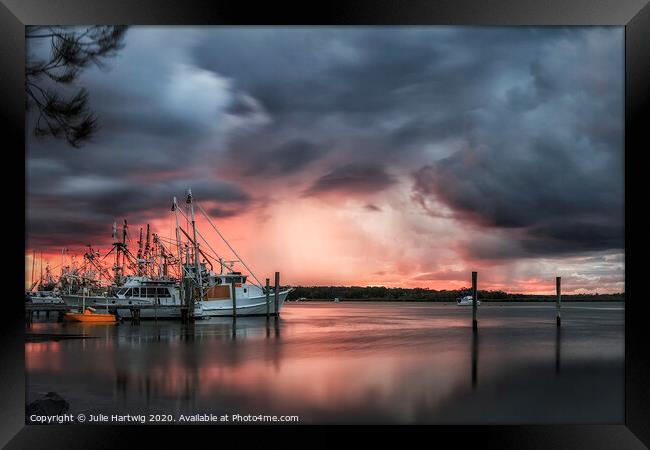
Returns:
<point x="348" y="363"/>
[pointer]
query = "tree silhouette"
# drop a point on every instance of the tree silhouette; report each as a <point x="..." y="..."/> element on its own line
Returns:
<point x="71" y="51"/>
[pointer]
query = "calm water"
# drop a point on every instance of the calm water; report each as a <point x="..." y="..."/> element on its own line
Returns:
<point x="349" y="363"/>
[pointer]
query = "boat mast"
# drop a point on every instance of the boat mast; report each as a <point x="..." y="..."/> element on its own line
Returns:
<point x="181" y="273"/>
<point x="197" y="263"/>
<point x="33" y="268"/>
<point x="124" y="227"/>
<point x="148" y="256"/>
<point x="140" y="254"/>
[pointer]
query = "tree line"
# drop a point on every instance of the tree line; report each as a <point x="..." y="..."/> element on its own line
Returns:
<point x="381" y="293"/>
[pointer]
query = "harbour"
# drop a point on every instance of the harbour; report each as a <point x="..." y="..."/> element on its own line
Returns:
<point x="165" y="279"/>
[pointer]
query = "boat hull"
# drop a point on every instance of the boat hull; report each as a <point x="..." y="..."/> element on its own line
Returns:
<point x="94" y="301"/>
<point x="246" y="306"/>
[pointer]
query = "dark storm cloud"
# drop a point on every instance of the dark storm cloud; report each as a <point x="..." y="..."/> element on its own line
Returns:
<point x="352" y="179"/>
<point x="286" y="158"/>
<point x="84" y="208"/>
<point x="547" y="163"/>
<point x="514" y="129"/>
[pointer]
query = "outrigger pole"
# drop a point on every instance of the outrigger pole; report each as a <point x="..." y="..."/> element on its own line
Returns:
<point x="221" y="263"/>
<point x="204" y="240"/>
<point x="226" y="242"/>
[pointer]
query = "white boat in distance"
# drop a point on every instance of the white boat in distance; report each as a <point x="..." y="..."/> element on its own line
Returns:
<point x="467" y="301"/>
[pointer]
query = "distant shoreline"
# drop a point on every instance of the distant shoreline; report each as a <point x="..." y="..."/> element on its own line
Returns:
<point x="385" y="294"/>
<point x="515" y="300"/>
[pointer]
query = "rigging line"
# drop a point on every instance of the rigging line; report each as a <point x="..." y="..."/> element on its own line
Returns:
<point x="204" y="240"/>
<point x="229" y="246"/>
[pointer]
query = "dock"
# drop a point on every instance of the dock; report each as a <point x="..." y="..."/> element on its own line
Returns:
<point x="32" y="309"/>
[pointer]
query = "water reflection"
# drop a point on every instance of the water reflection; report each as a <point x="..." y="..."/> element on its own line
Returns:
<point x="345" y="363"/>
<point x="474" y="358"/>
<point x="558" y="348"/>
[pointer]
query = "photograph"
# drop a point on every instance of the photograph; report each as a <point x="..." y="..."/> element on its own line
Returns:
<point x="306" y="225"/>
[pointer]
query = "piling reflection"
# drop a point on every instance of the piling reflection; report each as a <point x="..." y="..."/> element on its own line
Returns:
<point x="558" y="348"/>
<point x="474" y="358"/>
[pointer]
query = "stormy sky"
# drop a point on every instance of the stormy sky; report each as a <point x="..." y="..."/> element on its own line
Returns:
<point x="399" y="156"/>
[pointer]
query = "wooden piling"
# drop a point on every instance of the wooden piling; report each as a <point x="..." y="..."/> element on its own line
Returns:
<point x="234" y="299"/>
<point x="558" y="290"/>
<point x="268" y="298"/>
<point x="277" y="294"/>
<point x="474" y="299"/>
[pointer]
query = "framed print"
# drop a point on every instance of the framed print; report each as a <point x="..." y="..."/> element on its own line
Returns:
<point x="370" y="217"/>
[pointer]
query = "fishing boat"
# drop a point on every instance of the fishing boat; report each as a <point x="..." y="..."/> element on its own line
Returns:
<point x="168" y="276"/>
<point x="143" y="291"/>
<point x="90" y="314"/>
<point x="250" y="299"/>
<point x="43" y="297"/>
<point x="467" y="301"/>
<point x="230" y="291"/>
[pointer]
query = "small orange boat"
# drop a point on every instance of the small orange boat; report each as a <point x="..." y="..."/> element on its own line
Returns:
<point x="90" y="315"/>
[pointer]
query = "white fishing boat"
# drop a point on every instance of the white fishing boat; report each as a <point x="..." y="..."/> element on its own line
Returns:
<point x="467" y="301"/>
<point x="216" y="289"/>
<point x="43" y="297"/>
<point x="43" y="291"/>
<point x="136" y="292"/>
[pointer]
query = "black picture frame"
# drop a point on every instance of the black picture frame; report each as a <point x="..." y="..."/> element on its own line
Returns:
<point x="633" y="14"/>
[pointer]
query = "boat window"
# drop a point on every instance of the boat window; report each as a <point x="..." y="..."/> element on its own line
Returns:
<point x="163" y="292"/>
<point x="217" y="281"/>
<point x="127" y="293"/>
<point x="243" y="279"/>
